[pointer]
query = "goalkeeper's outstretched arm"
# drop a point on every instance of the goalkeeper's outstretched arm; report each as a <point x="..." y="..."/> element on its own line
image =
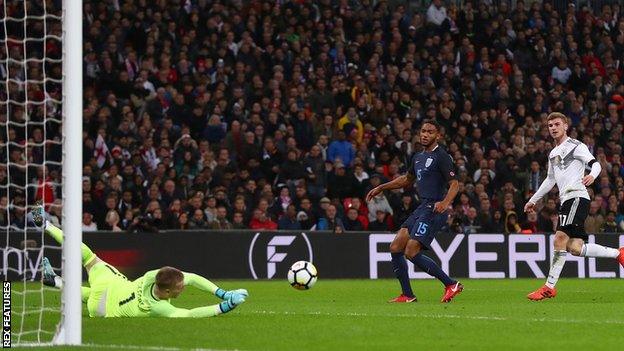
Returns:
<point x="165" y="309"/>
<point x="204" y="284"/>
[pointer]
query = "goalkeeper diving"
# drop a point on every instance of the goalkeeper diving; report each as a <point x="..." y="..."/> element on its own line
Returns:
<point x="111" y="294"/>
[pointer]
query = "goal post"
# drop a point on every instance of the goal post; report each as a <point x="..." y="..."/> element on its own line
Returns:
<point x="70" y="328"/>
<point x="41" y="161"/>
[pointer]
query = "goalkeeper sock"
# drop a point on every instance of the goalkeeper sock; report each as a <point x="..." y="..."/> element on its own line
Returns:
<point x="399" y="266"/>
<point x="58" y="282"/>
<point x="559" y="259"/>
<point x="57" y="234"/>
<point x="595" y="250"/>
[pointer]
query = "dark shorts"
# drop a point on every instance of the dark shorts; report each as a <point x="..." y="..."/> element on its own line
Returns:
<point x="423" y="224"/>
<point x="572" y="215"/>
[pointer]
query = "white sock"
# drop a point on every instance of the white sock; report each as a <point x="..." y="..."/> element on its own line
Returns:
<point x="595" y="250"/>
<point x="559" y="259"/>
<point x="58" y="282"/>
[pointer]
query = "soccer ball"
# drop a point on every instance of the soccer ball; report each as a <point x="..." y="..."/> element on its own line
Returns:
<point x="302" y="275"/>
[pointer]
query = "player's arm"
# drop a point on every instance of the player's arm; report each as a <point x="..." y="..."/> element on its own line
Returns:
<point x="204" y="284"/>
<point x="397" y="183"/>
<point x="447" y="168"/>
<point x="543" y="189"/>
<point x="583" y="154"/>
<point x="165" y="309"/>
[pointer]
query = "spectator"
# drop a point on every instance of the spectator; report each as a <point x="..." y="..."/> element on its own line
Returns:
<point x="183" y="222"/>
<point x="497" y="225"/>
<point x="112" y="221"/>
<point x="352" y="223"/>
<point x="198" y="221"/>
<point x="304" y="220"/>
<point x="594" y="220"/>
<point x="87" y="223"/>
<point x="314" y="167"/>
<point x="330" y="221"/>
<point x="530" y="225"/>
<point x="534" y="179"/>
<point x="261" y="221"/>
<point x="511" y="223"/>
<point x="128" y="219"/>
<point x="471" y="222"/>
<point x="406" y="208"/>
<point x="609" y="225"/>
<point x="289" y="220"/>
<point x="437" y="17"/>
<point x="238" y="221"/>
<point x="340" y="183"/>
<point x="221" y="222"/>
<point x="380" y="224"/>
<point x="351" y="122"/>
<point x="378" y="203"/>
<point x="341" y="150"/>
<point x="193" y="107"/>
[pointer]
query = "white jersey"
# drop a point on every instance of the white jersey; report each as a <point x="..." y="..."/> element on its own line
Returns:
<point x="566" y="164"/>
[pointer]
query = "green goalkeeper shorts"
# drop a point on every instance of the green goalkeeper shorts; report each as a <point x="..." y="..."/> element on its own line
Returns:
<point x="101" y="277"/>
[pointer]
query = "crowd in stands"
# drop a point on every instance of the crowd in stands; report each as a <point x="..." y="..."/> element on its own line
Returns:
<point x="255" y="114"/>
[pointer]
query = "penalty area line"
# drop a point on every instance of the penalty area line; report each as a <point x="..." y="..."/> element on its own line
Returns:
<point x="439" y="316"/>
<point x="127" y="347"/>
<point x="154" y="348"/>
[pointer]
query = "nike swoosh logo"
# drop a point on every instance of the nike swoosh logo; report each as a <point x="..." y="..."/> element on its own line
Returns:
<point x="455" y="287"/>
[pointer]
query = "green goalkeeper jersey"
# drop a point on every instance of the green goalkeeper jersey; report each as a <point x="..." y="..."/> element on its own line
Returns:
<point x="137" y="299"/>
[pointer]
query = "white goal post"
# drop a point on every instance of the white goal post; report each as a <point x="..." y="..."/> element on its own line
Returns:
<point x="41" y="154"/>
<point x="70" y="329"/>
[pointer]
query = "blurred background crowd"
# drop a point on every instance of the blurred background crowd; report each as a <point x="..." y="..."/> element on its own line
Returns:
<point x="206" y="114"/>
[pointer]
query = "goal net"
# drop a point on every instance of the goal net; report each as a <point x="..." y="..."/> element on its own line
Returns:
<point x="32" y="156"/>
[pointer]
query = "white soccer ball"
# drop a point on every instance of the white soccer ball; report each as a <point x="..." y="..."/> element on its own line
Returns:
<point x="302" y="275"/>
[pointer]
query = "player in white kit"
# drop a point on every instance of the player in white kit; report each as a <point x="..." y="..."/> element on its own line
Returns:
<point x="566" y="169"/>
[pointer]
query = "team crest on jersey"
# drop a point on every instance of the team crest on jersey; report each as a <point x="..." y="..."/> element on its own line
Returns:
<point x="428" y="162"/>
<point x="557" y="160"/>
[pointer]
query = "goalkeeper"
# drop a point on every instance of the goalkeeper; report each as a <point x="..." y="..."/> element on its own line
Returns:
<point x="111" y="294"/>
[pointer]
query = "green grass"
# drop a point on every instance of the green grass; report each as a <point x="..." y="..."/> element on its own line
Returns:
<point x="354" y="315"/>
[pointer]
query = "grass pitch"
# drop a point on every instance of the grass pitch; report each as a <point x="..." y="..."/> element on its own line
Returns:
<point x="588" y="314"/>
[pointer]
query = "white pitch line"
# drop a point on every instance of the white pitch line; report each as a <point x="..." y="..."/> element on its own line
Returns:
<point x="440" y="316"/>
<point x="128" y="347"/>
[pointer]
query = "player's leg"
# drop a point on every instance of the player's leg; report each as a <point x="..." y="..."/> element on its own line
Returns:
<point x="413" y="252"/>
<point x="559" y="258"/>
<point x="574" y="226"/>
<point x="38" y="217"/>
<point x="421" y="236"/>
<point x="51" y="279"/>
<point x="399" y="266"/>
<point x="578" y="247"/>
<point x="85" y="291"/>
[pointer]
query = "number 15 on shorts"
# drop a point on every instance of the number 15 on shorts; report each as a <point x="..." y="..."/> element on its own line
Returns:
<point x="422" y="228"/>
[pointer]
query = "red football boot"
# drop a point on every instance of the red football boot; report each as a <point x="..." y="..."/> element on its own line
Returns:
<point x="542" y="293"/>
<point x="620" y="257"/>
<point x="403" y="299"/>
<point x="451" y="291"/>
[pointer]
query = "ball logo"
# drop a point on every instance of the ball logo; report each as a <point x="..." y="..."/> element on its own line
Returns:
<point x="272" y="254"/>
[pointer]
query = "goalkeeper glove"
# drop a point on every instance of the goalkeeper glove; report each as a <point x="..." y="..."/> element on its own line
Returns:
<point x="225" y="295"/>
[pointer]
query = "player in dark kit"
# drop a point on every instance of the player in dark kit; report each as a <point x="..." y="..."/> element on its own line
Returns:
<point x="432" y="169"/>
